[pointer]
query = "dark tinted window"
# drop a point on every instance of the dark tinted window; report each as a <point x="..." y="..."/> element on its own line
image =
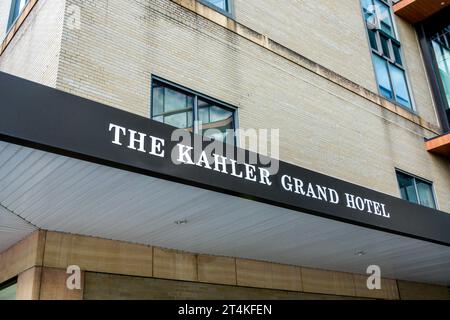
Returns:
<point x="416" y="190"/>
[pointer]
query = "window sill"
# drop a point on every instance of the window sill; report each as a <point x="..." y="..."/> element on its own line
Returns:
<point x="14" y="28"/>
<point x="229" y="14"/>
<point x="407" y="113"/>
<point x="399" y="105"/>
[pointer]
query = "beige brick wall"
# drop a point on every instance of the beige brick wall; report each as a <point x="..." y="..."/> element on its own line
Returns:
<point x="330" y="33"/>
<point x="34" y="52"/>
<point x="324" y="126"/>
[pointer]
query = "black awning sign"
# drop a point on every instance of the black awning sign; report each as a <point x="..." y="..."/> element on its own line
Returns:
<point x="185" y="155"/>
<point x="51" y="120"/>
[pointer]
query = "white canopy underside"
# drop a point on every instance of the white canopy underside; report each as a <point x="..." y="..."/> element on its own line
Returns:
<point x="48" y="191"/>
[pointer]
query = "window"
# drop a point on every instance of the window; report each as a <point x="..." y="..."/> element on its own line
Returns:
<point x="434" y="39"/>
<point x="16" y="9"/>
<point x="416" y="190"/>
<point x="386" y="52"/>
<point x="8" y="290"/>
<point x="185" y="109"/>
<point x="222" y="5"/>
<point x="441" y="49"/>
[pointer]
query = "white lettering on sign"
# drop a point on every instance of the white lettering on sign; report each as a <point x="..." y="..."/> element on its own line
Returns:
<point x="366" y="205"/>
<point x="309" y="190"/>
<point x="248" y="172"/>
<point x="187" y="155"/>
<point x="137" y="140"/>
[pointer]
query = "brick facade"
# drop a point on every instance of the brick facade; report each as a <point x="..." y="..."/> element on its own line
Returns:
<point x="113" y="56"/>
<point x="120" y="45"/>
<point x="330" y="118"/>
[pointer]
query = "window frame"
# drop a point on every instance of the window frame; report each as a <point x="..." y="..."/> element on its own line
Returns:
<point x="9" y="283"/>
<point x="230" y="7"/>
<point x="391" y="60"/>
<point x="426" y="31"/>
<point x="11" y="19"/>
<point x="196" y="95"/>
<point x="415" y="177"/>
<point x="442" y="87"/>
